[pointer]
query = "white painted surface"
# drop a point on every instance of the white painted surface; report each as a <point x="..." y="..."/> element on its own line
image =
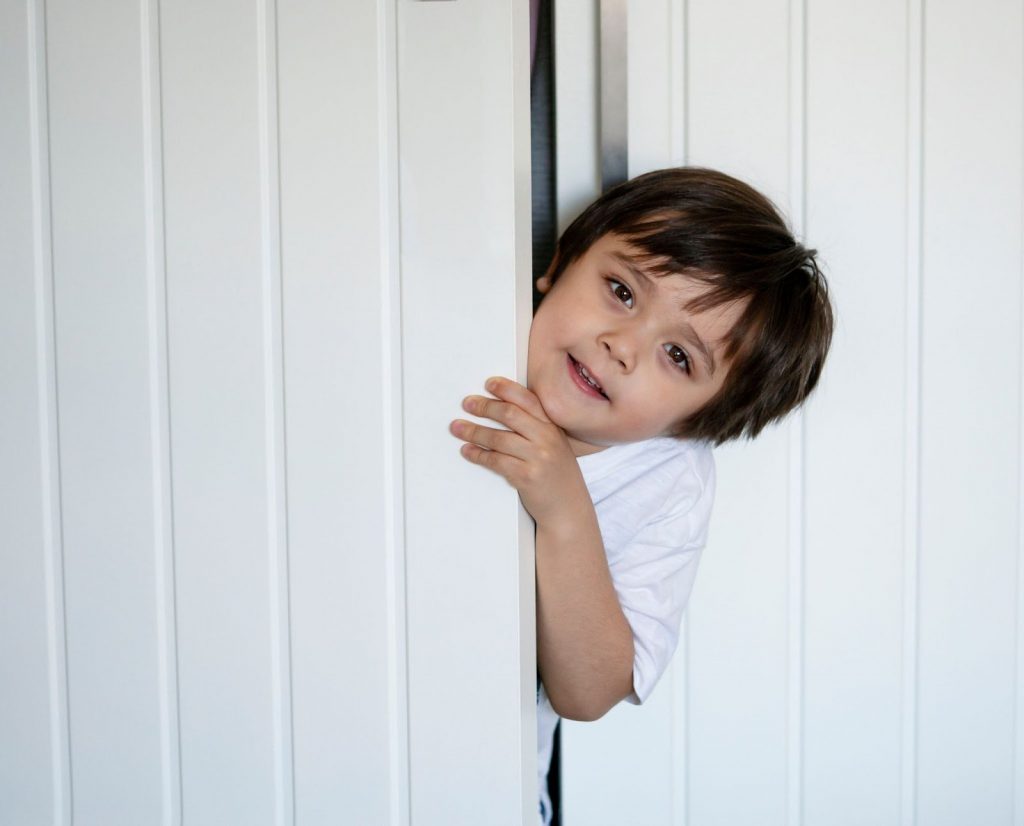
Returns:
<point x="578" y="162"/>
<point x="341" y="255"/>
<point x="247" y="276"/>
<point x="855" y="590"/>
<point x="107" y="466"/>
<point x="212" y="274"/>
<point x="465" y="220"/>
<point x="851" y="650"/>
<point x="970" y="402"/>
<point x="34" y="751"/>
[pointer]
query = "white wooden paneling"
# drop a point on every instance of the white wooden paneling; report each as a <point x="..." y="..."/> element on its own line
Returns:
<point x="221" y="513"/>
<point x="970" y="414"/>
<point x="339" y="263"/>
<point x="849" y="652"/>
<point x="464" y="155"/>
<point x="738" y="120"/>
<point x="114" y="611"/>
<point x="578" y="164"/>
<point x="653" y="37"/>
<point x="225" y="554"/>
<point x="252" y="610"/>
<point x="857" y="178"/>
<point x="34" y="749"/>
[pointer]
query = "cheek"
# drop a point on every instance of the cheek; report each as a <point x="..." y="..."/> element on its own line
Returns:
<point x="542" y="332"/>
<point x="653" y="414"/>
<point x="660" y="408"/>
<point x="537" y="342"/>
<point x="538" y="355"/>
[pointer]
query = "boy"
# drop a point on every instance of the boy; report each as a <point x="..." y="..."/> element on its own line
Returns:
<point x="678" y="313"/>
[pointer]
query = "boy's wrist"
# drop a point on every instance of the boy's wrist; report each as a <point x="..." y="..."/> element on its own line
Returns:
<point x="565" y="521"/>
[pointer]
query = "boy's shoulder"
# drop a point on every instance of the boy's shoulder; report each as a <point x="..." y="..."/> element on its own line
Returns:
<point x="679" y="468"/>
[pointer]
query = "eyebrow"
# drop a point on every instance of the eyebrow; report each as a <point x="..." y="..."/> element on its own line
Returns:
<point x="687" y="329"/>
<point x="702" y="348"/>
<point x="631" y="265"/>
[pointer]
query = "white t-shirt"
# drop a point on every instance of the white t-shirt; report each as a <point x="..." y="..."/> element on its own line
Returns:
<point x="653" y="502"/>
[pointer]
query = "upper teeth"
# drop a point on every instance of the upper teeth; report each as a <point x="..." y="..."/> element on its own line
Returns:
<point x="586" y="375"/>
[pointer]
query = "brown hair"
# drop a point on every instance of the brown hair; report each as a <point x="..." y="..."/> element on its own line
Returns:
<point x="724" y="233"/>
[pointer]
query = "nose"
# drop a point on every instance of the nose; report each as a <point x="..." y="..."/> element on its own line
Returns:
<point x="619" y="347"/>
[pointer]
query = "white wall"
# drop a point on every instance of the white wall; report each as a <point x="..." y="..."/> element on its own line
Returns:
<point x="851" y="650"/>
<point x="252" y="256"/>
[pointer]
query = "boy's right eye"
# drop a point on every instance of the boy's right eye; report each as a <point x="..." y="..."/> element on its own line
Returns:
<point x="622" y="292"/>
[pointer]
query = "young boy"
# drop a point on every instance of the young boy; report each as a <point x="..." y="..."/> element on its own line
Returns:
<point x="678" y="313"/>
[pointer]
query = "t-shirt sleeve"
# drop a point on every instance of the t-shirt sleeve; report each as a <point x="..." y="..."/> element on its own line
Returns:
<point x="654" y="576"/>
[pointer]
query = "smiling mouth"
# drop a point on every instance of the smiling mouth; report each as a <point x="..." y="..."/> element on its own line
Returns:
<point x="589" y="380"/>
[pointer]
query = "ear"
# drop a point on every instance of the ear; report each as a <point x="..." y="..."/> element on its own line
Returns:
<point x="544" y="282"/>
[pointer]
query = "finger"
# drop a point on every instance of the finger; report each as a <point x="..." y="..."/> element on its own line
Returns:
<point x="511" y="415"/>
<point x="514" y="392"/>
<point x="519" y="399"/>
<point x="505" y="466"/>
<point x="505" y="441"/>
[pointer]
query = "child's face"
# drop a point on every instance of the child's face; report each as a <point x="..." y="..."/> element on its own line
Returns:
<point x="631" y="333"/>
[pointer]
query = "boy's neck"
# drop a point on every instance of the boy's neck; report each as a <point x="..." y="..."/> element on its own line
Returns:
<point x="584" y="448"/>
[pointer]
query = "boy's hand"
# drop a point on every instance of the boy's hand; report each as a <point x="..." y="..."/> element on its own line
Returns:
<point x="533" y="455"/>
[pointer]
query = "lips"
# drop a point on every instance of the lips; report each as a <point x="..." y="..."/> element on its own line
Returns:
<point x="585" y="379"/>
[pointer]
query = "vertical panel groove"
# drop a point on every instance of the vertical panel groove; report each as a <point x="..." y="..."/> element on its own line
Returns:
<point x="1017" y="774"/>
<point x="912" y="425"/>
<point x="159" y="401"/>
<point x="274" y="409"/>
<point x="676" y="80"/>
<point x="389" y="187"/>
<point x="795" y="588"/>
<point x="49" y="430"/>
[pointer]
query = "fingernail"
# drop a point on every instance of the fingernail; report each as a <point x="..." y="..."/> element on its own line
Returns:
<point x="468" y="402"/>
<point x="491" y="384"/>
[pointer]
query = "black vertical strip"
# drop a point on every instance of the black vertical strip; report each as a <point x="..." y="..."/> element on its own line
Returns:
<point x="555" y="777"/>
<point x="545" y="231"/>
<point x="542" y="147"/>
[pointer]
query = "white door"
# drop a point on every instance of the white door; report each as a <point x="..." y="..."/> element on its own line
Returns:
<point x="851" y="652"/>
<point x="252" y="256"/>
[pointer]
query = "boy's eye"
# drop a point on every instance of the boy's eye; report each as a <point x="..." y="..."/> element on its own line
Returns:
<point x="622" y="292"/>
<point x="678" y="355"/>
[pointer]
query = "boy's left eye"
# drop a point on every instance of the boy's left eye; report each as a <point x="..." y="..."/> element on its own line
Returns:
<point x="622" y="292"/>
<point x="678" y="355"/>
